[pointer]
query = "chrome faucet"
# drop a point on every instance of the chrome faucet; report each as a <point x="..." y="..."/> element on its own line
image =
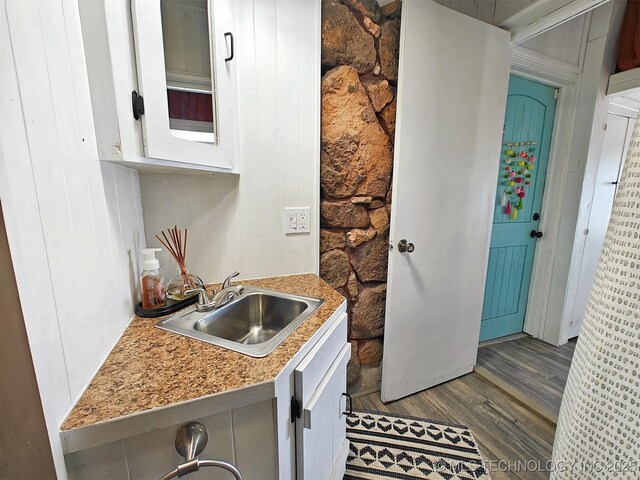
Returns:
<point x="228" y="292"/>
<point x="224" y="296"/>
<point x="204" y="303"/>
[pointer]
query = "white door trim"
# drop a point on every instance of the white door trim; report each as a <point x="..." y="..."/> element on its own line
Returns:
<point x="542" y="68"/>
<point x="555" y="185"/>
<point x="564" y="76"/>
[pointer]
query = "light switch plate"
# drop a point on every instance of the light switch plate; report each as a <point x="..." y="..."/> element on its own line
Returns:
<point x="297" y="220"/>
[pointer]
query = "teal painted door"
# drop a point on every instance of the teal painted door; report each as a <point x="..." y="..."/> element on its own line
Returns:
<point x="523" y="166"/>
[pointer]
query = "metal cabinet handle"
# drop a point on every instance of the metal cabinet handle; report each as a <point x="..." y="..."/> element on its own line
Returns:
<point x="137" y="105"/>
<point x="350" y="411"/>
<point x="404" y="246"/>
<point x="535" y="234"/>
<point x="230" y="35"/>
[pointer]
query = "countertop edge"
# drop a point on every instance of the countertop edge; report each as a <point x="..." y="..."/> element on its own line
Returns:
<point x="137" y="423"/>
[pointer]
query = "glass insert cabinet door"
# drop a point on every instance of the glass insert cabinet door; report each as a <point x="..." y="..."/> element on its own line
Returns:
<point x="186" y="40"/>
<point x="186" y="75"/>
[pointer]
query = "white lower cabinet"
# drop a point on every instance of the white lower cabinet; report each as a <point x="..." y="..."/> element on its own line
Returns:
<point x="320" y="382"/>
<point x="300" y="433"/>
<point x="244" y="437"/>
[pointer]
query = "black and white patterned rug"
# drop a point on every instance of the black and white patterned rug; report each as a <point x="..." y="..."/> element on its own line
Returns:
<point x="387" y="446"/>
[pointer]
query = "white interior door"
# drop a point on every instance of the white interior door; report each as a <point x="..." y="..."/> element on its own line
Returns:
<point x="614" y="150"/>
<point x="452" y="92"/>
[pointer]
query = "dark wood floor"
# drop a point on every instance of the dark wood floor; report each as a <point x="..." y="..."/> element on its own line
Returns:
<point x="533" y="371"/>
<point x="497" y="404"/>
<point x="504" y="428"/>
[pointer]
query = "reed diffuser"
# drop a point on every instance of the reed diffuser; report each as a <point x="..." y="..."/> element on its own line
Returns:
<point x="176" y="244"/>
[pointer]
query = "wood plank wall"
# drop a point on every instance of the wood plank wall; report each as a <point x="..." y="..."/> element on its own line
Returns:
<point x="74" y="227"/>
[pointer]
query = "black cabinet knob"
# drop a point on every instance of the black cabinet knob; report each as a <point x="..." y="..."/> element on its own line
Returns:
<point x="535" y="234"/>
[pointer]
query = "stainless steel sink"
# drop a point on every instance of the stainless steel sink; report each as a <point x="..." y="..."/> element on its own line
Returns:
<point x="253" y="324"/>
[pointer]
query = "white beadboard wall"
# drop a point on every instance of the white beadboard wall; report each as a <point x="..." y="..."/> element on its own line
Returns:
<point x="75" y="227"/>
<point x="236" y="222"/>
<point x="564" y="42"/>
<point x="489" y="11"/>
<point x="481" y="9"/>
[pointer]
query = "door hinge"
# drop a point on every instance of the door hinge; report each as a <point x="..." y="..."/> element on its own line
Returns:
<point x="137" y="105"/>
<point x="556" y="93"/>
<point x="296" y="411"/>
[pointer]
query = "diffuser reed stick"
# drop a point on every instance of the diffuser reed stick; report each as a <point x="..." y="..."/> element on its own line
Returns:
<point x="176" y="245"/>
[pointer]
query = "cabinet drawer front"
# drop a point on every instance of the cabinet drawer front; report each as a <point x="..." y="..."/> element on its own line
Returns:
<point x="322" y="427"/>
<point x="334" y="380"/>
<point x="310" y="372"/>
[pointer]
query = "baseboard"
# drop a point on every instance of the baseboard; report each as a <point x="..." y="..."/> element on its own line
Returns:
<point x="508" y="338"/>
<point x="369" y="382"/>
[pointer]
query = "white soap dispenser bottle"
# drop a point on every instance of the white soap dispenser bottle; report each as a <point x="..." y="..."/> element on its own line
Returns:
<point x="154" y="291"/>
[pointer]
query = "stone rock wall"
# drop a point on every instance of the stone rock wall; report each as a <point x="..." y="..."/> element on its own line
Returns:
<point x="360" y="72"/>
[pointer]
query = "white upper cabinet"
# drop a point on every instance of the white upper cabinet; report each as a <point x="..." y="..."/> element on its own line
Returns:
<point x="184" y="53"/>
<point x="162" y="76"/>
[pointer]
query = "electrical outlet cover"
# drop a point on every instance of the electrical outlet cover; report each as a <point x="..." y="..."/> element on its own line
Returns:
<point x="297" y="220"/>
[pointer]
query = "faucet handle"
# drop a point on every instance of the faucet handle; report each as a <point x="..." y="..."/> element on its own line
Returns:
<point x="227" y="281"/>
<point x="203" y="297"/>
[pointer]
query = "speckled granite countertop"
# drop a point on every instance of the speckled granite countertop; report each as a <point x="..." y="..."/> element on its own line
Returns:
<point x="151" y="368"/>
